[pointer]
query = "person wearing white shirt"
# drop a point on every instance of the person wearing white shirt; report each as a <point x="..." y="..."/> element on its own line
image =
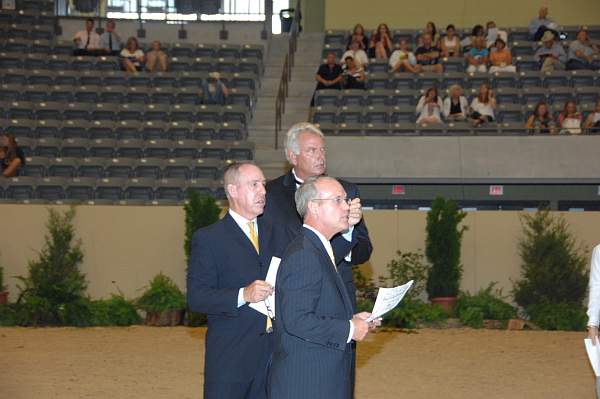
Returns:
<point x="132" y="56"/>
<point x="456" y="106"/>
<point x="593" y="311"/>
<point x="483" y="106"/>
<point x="87" y="42"/>
<point x="429" y="107"/>
<point x="403" y="59"/>
<point x="358" y="55"/>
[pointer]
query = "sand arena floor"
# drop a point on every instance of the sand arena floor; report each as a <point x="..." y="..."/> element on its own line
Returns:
<point x="144" y="362"/>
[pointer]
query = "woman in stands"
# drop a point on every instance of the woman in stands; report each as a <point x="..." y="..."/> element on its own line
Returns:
<point x="570" y="119"/>
<point x="483" y="106"/>
<point x="358" y="34"/>
<point x="456" y="106"/>
<point x="11" y="156"/>
<point x="132" y="57"/>
<point x="403" y="60"/>
<point x="354" y="75"/>
<point x="450" y="43"/>
<point x="380" y="46"/>
<point x="468" y="42"/>
<point x="541" y="120"/>
<point x="592" y="123"/>
<point x="501" y="58"/>
<point x="429" y="107"/>
<point x="435" y="36"/>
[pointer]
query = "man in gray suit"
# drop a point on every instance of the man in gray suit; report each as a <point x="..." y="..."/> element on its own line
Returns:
<point x="314" y="321"/>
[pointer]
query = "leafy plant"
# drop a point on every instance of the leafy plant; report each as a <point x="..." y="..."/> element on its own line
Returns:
<point x="442" y="248"/>
<point x="407" y="266"/>
<point x="488" y="303"/>
<point x="412" y="312"/>
<point x="2" y="286"/>
<point x="161" y="295"/>
<point x="116" y="311"/>
<point x="366" y="290"/>
<point x="53" y="291"/>
<point x="8" y="315"/>
<point x="554" y="271"/>
<point x="558" y="316"/>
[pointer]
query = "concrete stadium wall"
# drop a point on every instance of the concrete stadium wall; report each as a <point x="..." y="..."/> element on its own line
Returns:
<point x="126" y="246"/>
<point x="344" y="14"/>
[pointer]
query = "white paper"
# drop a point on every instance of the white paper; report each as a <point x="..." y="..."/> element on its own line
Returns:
<point x="388" y="299"/>
<point x="593" y="353"/>
<point x="270" y="300"/>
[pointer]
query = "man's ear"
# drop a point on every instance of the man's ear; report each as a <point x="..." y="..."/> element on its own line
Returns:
<point x="293" y="158"/>
<point x="313" y="208"/>
<point x="232" y="190"/>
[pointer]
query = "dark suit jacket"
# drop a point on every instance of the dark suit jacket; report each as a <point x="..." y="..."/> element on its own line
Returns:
<point x="311" y="358"/>
<point x="222" y="261"/>
<point x="281" y="209"/>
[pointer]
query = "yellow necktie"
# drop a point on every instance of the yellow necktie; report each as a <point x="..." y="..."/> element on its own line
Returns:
<point x="331" y="256"/>
<point x="253" y="236"/>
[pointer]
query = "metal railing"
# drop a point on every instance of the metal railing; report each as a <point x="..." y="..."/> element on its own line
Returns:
<point x="286" y="73"/>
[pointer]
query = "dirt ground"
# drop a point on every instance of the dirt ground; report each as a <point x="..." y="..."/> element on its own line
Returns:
<point x="149" y="363"/>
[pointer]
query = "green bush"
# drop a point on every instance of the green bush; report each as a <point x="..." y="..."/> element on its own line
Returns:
<point x="8" y="315"/>
<point x="407" y="266"/>
<point x="558" y="316"/>
<point x="412" y="312"/>
<point x="2" y="286"/>
<point x="162" y="294"/>
<point x="488" y="303"/>
<point x="442" y="248"/>
<point x="116" y="311"/>
<point x="53" y="292"/>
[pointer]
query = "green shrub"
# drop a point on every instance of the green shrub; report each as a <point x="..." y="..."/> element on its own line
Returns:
<point x="412" y="312"/>
<point x="486" y="304"/>
<point x="558" y="316"/>
<point x="8" y="315"/>
<point x="366" y="290"/>
<point x="442" y="248"/>
<point x="2" y="286"/>
<point x="116" y="311"/>
<point x="407" y="266"/>
<point x="53" y="291"/>
<point x="162" y="294"/>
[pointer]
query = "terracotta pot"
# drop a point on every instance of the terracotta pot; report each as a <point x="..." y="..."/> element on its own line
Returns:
<point x="171" y="317"/>
<point x="446" y="302"/>
<point x="3" y="297"/>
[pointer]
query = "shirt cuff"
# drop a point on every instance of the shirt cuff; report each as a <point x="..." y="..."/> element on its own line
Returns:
<point x="241" y="301"/>
<point x="348" y="237"/>
<point x="351" y="332"/>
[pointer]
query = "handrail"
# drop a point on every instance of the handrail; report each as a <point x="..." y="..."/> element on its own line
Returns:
<point x="286" y="73"/>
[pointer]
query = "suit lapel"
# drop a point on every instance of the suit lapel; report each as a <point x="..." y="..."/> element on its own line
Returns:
<point x="238" y="235"/>
<point x="289" y="190"/>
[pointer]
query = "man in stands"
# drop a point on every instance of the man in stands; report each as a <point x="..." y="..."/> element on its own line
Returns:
<point x="329" y="76"/>
<point x="428" y="56"/>
<point x="551" y="55"/>
<point x="110" y="41"/>
<point x="87" y="42"/>
<point x="538" y="26"/>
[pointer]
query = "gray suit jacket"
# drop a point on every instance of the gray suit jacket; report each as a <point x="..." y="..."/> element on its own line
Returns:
<point x="311" y="358"/>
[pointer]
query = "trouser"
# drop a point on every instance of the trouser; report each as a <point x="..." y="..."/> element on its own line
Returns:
<point x="574" y="64"/>
<point x="550" y="64"/>
<point x="254" y="389"/>
<point x="353" y="369"/>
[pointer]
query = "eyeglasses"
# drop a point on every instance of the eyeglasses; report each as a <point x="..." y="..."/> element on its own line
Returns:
<point x="336" y="200"/>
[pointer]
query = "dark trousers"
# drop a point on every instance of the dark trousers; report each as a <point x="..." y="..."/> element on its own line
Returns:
<point x="574" y="64"/>
<point x="353" y="368"/>
<point x="254" y="389"/>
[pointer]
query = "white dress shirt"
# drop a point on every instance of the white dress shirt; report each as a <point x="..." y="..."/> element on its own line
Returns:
<point x="83" y="38"/>
<point x="593" y="311"/>
<point x="242" y="222"/>
<point x="329" y="249"/>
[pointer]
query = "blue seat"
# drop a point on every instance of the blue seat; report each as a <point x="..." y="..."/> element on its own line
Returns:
<point x="178" y="168"/>
<point x="109" y="189"/>
<point x="48" y="129"/>
<point x="240" y="150"/>
<point x="48" y="147"/>
<point x="34" y="167"/>
<point x="103" y="148"/>
<point x="20" y="188"/>
<point x="80" y="188"/>
<point x="120" y="167"/>
<point x="92" y="167"/>
<point x="149" y="167"/>
<point x="158" y="149"/>
<point x="63" y="167"/>
<point x="156" y="112"/>
<point x="77" y="111"/>
<point x="154" y="130"/>
<point x="205" y="169"/>
<point x="10" y="92"/>
<point x="75" y="148"/>
<point x="170" y="189"/>
<point x="130" y="148"/>
<point x="180" y="131"/>
<point x="186" y="149"/>
<point x="50" y="188"/>
<point x="75" y="128"/>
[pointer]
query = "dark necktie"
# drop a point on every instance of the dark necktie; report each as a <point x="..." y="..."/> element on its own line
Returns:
<point x="110" y="41"/>
<point x="87" y="43"/>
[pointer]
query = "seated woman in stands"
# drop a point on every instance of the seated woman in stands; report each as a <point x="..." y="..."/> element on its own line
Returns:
<point x="435" y="35"/>
<point x="456" y="106"/>
<point x="403" y="60"/>
<point x="592" y="123"/>
<point x="358" y="34"/>
<point x="501" y="58"/>
<point x="429" y="107"/>
<point x="570" y="119"/>
<point x="214" y="91"/>
<point x="380" y="46"/>
<point x="541" y="120"/>
<point x="483" y="106"/>
<point x="450" y="43"/>
<point x="11" y="156"/>
<point x="469" y="41"/>
<point x="132" y="57"/>
<point x="354" y="76"/>
<point x="357" y="53"/>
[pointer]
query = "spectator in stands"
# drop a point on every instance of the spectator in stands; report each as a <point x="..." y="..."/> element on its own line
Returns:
<point x="357" y="53"/>
<point x="456" y="106"/>
<point x="551" y="55"/>
<point x="592" y="123"/>
<point x="403" y="59"/>
<point x="132" y="57"/>
<point x="429" y="107"/>
<point x="214" y="91"/>
<point x="450" y="43"/>
<point x="428" y="56"/>
<point x="540" y="25"/>
<point x="156" y="56"/>
<point x="469" y="41"/>
<point x="354" y="75"/>
<point x="581" y="52"/>
<point x="380" y="46"/>
<point x="570" y="119"/>
<point x="110" y="41"/>
<point x="477" y="57"/>
<point x="483" y="106"/>
<point x="541" y="120"/>
<point x="11" y="156"/>
<point x="87" y="42"/>
<point x="330" y="74"/>
<point x="358" y="34"/>
<point x="501" y="58"/>
<point x="431" y="29"/>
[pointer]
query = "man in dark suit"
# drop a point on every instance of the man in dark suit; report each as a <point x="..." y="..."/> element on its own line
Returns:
<point x="314" y="321"/>
<point x="228" y="265"/>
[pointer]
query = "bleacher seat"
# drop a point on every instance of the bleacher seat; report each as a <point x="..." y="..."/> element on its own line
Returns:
<point x="120" y="167"/>
<point x="149" y="167"/>
<point x="80" y="188"/>
<point x="63" y="167"/>
<point x="51" y="188"/>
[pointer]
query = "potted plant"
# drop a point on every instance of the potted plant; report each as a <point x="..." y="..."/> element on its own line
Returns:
<point x="3" y="292"/>
<point x="442" y="249"/>
<point x="163" y="302"/>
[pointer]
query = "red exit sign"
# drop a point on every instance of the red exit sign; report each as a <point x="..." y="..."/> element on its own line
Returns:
<point x="496" y="190"/>
<point x="398" y="189"/>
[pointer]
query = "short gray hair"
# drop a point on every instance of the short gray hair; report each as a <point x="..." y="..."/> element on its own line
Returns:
<point x="307" y="192"/>
<point x="291" y="141"/>
<point x="232" y="174"/>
